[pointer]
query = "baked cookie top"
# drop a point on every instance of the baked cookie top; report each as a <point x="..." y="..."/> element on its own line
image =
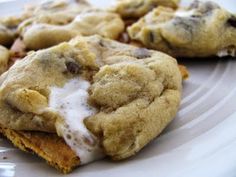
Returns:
<point x="138" y="8"/>
<point x="42" y="35"/>
<point x="124" y="95"/>
<point x="58" y="12"/>
<point x="203" y="29"/>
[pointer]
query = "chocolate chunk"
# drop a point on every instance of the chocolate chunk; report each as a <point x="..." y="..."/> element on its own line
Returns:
<point x="196" y="16"/>
<point x="72" y="67"/>
<point x="185" y="24"/>
<point x="232" y="21"/>
<point x="142" y="53"/>
<point x="101" y="43"/>
<point x="68" y="136"/>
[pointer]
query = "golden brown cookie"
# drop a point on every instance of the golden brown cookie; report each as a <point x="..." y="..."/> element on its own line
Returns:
<point x="43" y="35"/>
<point x="50" y="11"/>
<point x="203" y="29"/>
<point x="102" y="97"/>
<point x="58" y="12"/>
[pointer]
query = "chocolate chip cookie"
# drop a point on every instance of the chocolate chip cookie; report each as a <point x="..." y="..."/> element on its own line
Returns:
<point x="43" y="35"/>
<point x="204" y="29"/>
<point x="101" y="96"/>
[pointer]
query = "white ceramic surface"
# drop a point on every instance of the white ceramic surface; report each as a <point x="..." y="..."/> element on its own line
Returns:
<point x="201" y="141"/>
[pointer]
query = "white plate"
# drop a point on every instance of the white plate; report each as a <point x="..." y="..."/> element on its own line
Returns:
<point x="201" y="141"/>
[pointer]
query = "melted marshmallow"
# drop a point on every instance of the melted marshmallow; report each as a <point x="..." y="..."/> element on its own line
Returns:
<point x="182" y="13"/>
<point x="70" y="102"/>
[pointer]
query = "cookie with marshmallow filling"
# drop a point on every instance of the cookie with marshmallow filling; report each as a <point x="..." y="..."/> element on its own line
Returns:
<point x="204" y="29"/>
<point x="102" y="97"/>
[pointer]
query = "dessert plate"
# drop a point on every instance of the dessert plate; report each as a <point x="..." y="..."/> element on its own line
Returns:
<point x="201" y="141"/>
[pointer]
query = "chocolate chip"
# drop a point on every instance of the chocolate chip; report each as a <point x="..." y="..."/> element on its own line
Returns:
<point x="151" y="37"/>
<point x="101" y="43"/>
<point x="232" y="21"/>
<point x="72" y="67"/>
<point x="68" y="136"/>
<point x="186" y="24"/>
<point x="141" y="53"/>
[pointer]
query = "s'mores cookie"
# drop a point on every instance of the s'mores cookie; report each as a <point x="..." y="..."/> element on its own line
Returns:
<point x="101" y="97"/>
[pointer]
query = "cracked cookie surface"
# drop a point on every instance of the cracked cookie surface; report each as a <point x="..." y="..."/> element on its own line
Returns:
<point x="136" y="91"/>
<point x="204" y="29"/>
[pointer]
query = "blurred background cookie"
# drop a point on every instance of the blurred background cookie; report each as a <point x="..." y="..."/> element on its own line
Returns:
<point x="203" y="29"/>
